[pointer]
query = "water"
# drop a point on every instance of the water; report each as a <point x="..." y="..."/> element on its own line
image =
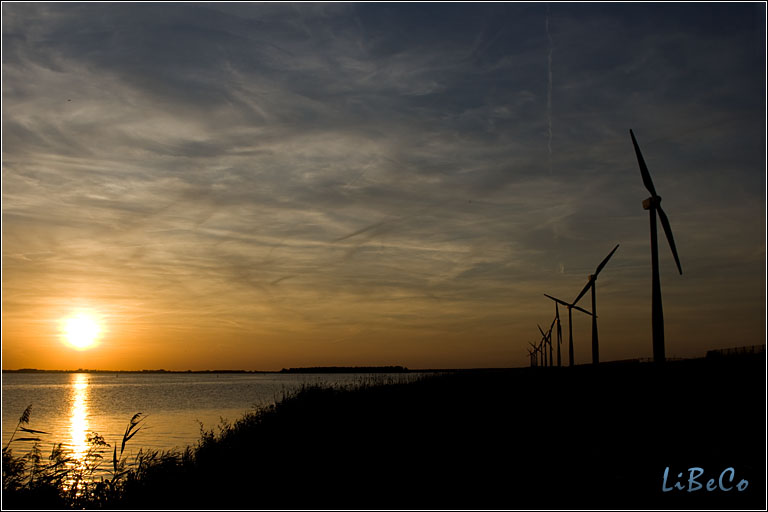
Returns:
<point x="70" y="406"/>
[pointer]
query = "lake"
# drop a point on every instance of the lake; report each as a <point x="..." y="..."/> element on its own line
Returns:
<point x="70" y="406"/>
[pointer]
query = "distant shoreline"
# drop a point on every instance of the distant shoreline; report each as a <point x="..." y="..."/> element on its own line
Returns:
<point x="318" y="369"/>
<point x="716" y="354"/>
<point x="87" y="370"/>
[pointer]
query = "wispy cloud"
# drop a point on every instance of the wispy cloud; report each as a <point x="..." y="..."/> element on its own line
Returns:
<point x="296" y="172"/>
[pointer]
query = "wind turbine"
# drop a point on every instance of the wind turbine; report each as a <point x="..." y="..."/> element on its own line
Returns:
<point x="547" y="338"/>
<point x="534" y="354"/>
<point x="591" y="285"/>
<point x="542" y="352"/>
<point x="570" y="324"/>
<point x="543" y="349"/>
<point x="559" y="335"/>
<point x="653" y="204"/>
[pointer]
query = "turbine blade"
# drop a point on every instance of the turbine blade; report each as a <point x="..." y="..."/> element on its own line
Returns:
<point x="557" y="300"/>
<point x="602" y="263"/>
<point x="551" y="326"/>
<point x="586" y="287"/>
<point x="568" y="305"/>
<point x="541" y="330"/>
<point x="668" y="231"/>
<point x="643" y="168"/>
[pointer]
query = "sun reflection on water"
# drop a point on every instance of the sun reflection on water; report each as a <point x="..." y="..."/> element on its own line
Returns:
<point x="78" y="416"/>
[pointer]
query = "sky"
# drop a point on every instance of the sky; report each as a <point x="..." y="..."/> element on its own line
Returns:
<point x="268" y="185"/>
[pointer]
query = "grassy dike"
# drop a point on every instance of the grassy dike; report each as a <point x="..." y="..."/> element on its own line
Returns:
<point x="527" y="438"/>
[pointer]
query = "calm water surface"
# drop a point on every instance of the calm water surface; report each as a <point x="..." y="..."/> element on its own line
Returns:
<point x="70" y="406"/>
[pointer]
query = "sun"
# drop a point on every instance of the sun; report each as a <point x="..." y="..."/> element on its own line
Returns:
<point x="81" y="331"/>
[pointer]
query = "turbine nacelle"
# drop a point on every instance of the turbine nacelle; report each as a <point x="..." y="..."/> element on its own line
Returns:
<point x="651" y="202"/>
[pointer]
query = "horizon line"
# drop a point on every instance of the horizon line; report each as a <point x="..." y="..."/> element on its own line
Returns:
<point x="347" y="369"/>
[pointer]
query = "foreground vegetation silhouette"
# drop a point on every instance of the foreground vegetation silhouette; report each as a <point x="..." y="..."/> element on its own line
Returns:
<point x="581" y="437"/>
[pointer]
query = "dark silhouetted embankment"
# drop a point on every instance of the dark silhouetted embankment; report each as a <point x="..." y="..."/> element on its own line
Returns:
<point x="583" y="437"/>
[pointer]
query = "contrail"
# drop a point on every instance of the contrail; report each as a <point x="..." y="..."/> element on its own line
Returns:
<point x="549" y="91"/>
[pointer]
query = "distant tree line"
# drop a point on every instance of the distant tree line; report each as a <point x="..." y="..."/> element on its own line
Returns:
<point x="347" y="369"/>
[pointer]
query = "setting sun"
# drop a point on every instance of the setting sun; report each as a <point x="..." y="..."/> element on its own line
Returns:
<point x="81" y="331"/>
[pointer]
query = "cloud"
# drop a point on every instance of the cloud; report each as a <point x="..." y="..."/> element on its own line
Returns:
<point x="345" y="164"/>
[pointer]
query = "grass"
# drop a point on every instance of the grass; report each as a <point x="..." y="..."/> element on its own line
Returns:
<point x="153" y="478"/>
<point x="526" y="438"/>
<point x="34" y="480"/>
